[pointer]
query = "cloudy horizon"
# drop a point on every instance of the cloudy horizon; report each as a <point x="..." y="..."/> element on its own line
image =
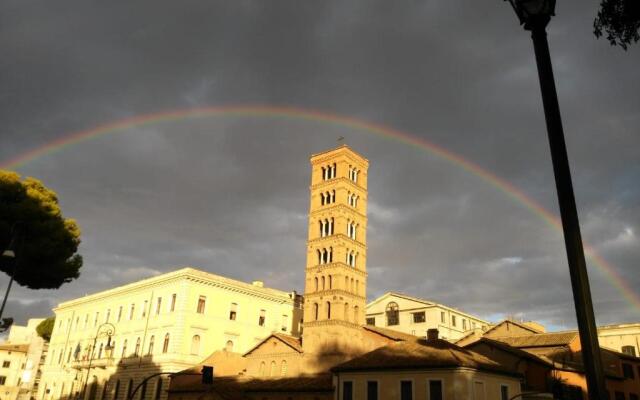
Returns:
<point x="228" y="193"/>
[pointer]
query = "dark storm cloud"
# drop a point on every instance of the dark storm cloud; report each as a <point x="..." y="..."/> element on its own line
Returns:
<point x="230" y="195"/>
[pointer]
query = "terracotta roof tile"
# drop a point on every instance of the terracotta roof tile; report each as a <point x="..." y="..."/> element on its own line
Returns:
<point x="539" y="340"/>
<point x="390" y="333"/>
<point x="421" y="354"/>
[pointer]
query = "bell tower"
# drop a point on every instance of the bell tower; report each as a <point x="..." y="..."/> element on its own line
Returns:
<point x="336" y="273"/>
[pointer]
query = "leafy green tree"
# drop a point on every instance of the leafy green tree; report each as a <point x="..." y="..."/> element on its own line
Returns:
<point x="46" y="244"/>
<point x="45" y="328"/>
<point x="620" y="20"/>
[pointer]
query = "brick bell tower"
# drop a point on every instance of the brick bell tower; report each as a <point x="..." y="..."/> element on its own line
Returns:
<point x="336" y="273"/>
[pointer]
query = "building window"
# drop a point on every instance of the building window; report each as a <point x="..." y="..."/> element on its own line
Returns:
<point x="627" y="370"/>
<point x="137" y="349"/>
<point x="233" y="311"/>
<point x="328" y="310"/>
<point x="630" y="350"/>
<point x="131" y="311"/>
<point x="453" y="320"/>
<point x="116" y="391"/>
<point x="229" y="346"/>
<point x="3" y="380"/>
<point x="315" y="311"/>
<point x="202" y="300"/>
<point x="435" y="390"/>
<point x="152" y="339"/>
<point x="158" y="307"/>
<point x="418" y="317"/>
<point x="100" y="351"/>
<point x="262" y="368"/>
<point x="372" y="390"/>
<point x="347" y="390"/>
<point x="393" y="314"/>
<point x="119" y="313"/>
<point x="283" y="368"/>
<point x="195" y="345"/>
<point x="165" y="345"/>
<point x="86" y="321"/>
<point x="262" y="317"/>
<point x="504" y="392"/>
<point x="124" y="349"/>
<point x="6" y="364"/>
<point x="144" y="308"/>
<point x="158" y="389"/>
<point x="371" y="321"/>
<point x="442" y="317"/>
<point x="285" y="323"/>
<point x="464" y="324"/>
<point x="106" y="318"/>
<point x="272" y="372"/>
<point x="173" y="302"/>
<point x="95" y="321"/>
<point x="406" y="390"/>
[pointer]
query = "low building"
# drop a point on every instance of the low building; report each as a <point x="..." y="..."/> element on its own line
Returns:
<point x="428" y="368"/>
<point x="106" y="343"/>
<point x="624" y="338"/>
<point x="415" y="316"/>
<point x="20" y="358"/>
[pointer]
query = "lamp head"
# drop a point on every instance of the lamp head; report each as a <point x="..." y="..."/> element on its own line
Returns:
<point x="534" y="13"/>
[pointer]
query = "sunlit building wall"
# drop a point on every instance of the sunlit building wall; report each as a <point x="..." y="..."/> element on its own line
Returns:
<point x="162" y="324"/>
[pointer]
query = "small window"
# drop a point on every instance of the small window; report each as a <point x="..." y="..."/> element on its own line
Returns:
<point x="627" y="370"/>
<point x="285" y="323"/>
<point x="137" y="349"/>
<point x="406" y="390"/>
<point x="95" y="321"/>
<point x="272" y="372"/>
<point x="3" y="379"/>
<point x="453" y="320"/>
<point x="504" y="392"/>
<point x="630" y="350"/>
<point x="151" y="341"/>
<point x="233" y="311"/>
<point x="119" y="313"/>
<point x="464" y="324"/>
<point x="106" y="318"/>
<point x="435" y="390"/>
<point x="371" y="321"/>
<point x="418" y="317"/>
<point x="347" y="390"/>
<point x="195" y="345"/>
<point x="173" y="302"/>
<point x="144" y="308"/>
<point x="6" y="364"/>
<point x="262" y="317"/>
<point x="158" y="307"/>
<point x="202" y="300"/>
<point x="229" y="346"/>
<point x="131" y="311"/>
<point x="393" y="314"/>
<point x="262" y="368"/>
<point x="372" y="390"/>
<point x="283" y="368"/>
<point x="124" y="349"/>
<point x="442" y="317"/>
<point x="165" y="345"/>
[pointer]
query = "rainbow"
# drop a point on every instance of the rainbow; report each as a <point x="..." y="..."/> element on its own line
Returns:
<point x="502" y="185"/>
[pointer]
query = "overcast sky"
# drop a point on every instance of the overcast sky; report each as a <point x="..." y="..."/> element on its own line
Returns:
<point x="229" y="195"/>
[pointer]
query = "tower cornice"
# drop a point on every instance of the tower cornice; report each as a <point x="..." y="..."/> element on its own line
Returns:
<point x="337" y="236"/>
<point x="329" y="209"/>
<point x="334" y="265"/>
<point x="334" y="181"/>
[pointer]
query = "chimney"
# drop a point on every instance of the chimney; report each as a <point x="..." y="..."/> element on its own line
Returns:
<point x="432" y="334"/>
<point x="258" y="283"/>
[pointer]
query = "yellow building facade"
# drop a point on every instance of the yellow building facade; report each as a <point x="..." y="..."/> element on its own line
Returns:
<point x="624" y="338"/>
<point x="104" y="344"/>
<point x="415" y="316"/>
<point x="20" y="357"/>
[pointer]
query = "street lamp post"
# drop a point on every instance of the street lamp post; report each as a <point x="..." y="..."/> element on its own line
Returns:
<point x="535" y="15"/>
<point x="100" y="332"/>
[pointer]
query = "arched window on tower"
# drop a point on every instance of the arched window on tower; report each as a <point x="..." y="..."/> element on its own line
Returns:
<point x="351" y="285"/>
<point x="322" y="279"/>
<point x="322" y="200"/>
<point x="333" y="170"/>
<point x="283" y="368"/>
<point x="346" y="311"/>
<point x="333" y="196"/>
<point x="321" y="226"/>
<point x="330" y="282"/>
<point x="316" y="283"/>
<point x="315" y="311"/>
<point x="324" y="173"/>
<point x="357" y="286"/>
<point x="328" y="310"/>
<point x="346" y="283"/>
<point x="319" y="256"/>
<point x="356" y="314"/>
<point x="262" y="368"/>
<point x="393" y="314"/>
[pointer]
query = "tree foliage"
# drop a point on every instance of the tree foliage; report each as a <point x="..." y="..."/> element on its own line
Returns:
<point x="620" y="20"/>
<point x="45" y="328"/>
<point x="48" y="243"/>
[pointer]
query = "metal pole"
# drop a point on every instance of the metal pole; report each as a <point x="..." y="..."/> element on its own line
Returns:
<point x="570" y="224"/>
